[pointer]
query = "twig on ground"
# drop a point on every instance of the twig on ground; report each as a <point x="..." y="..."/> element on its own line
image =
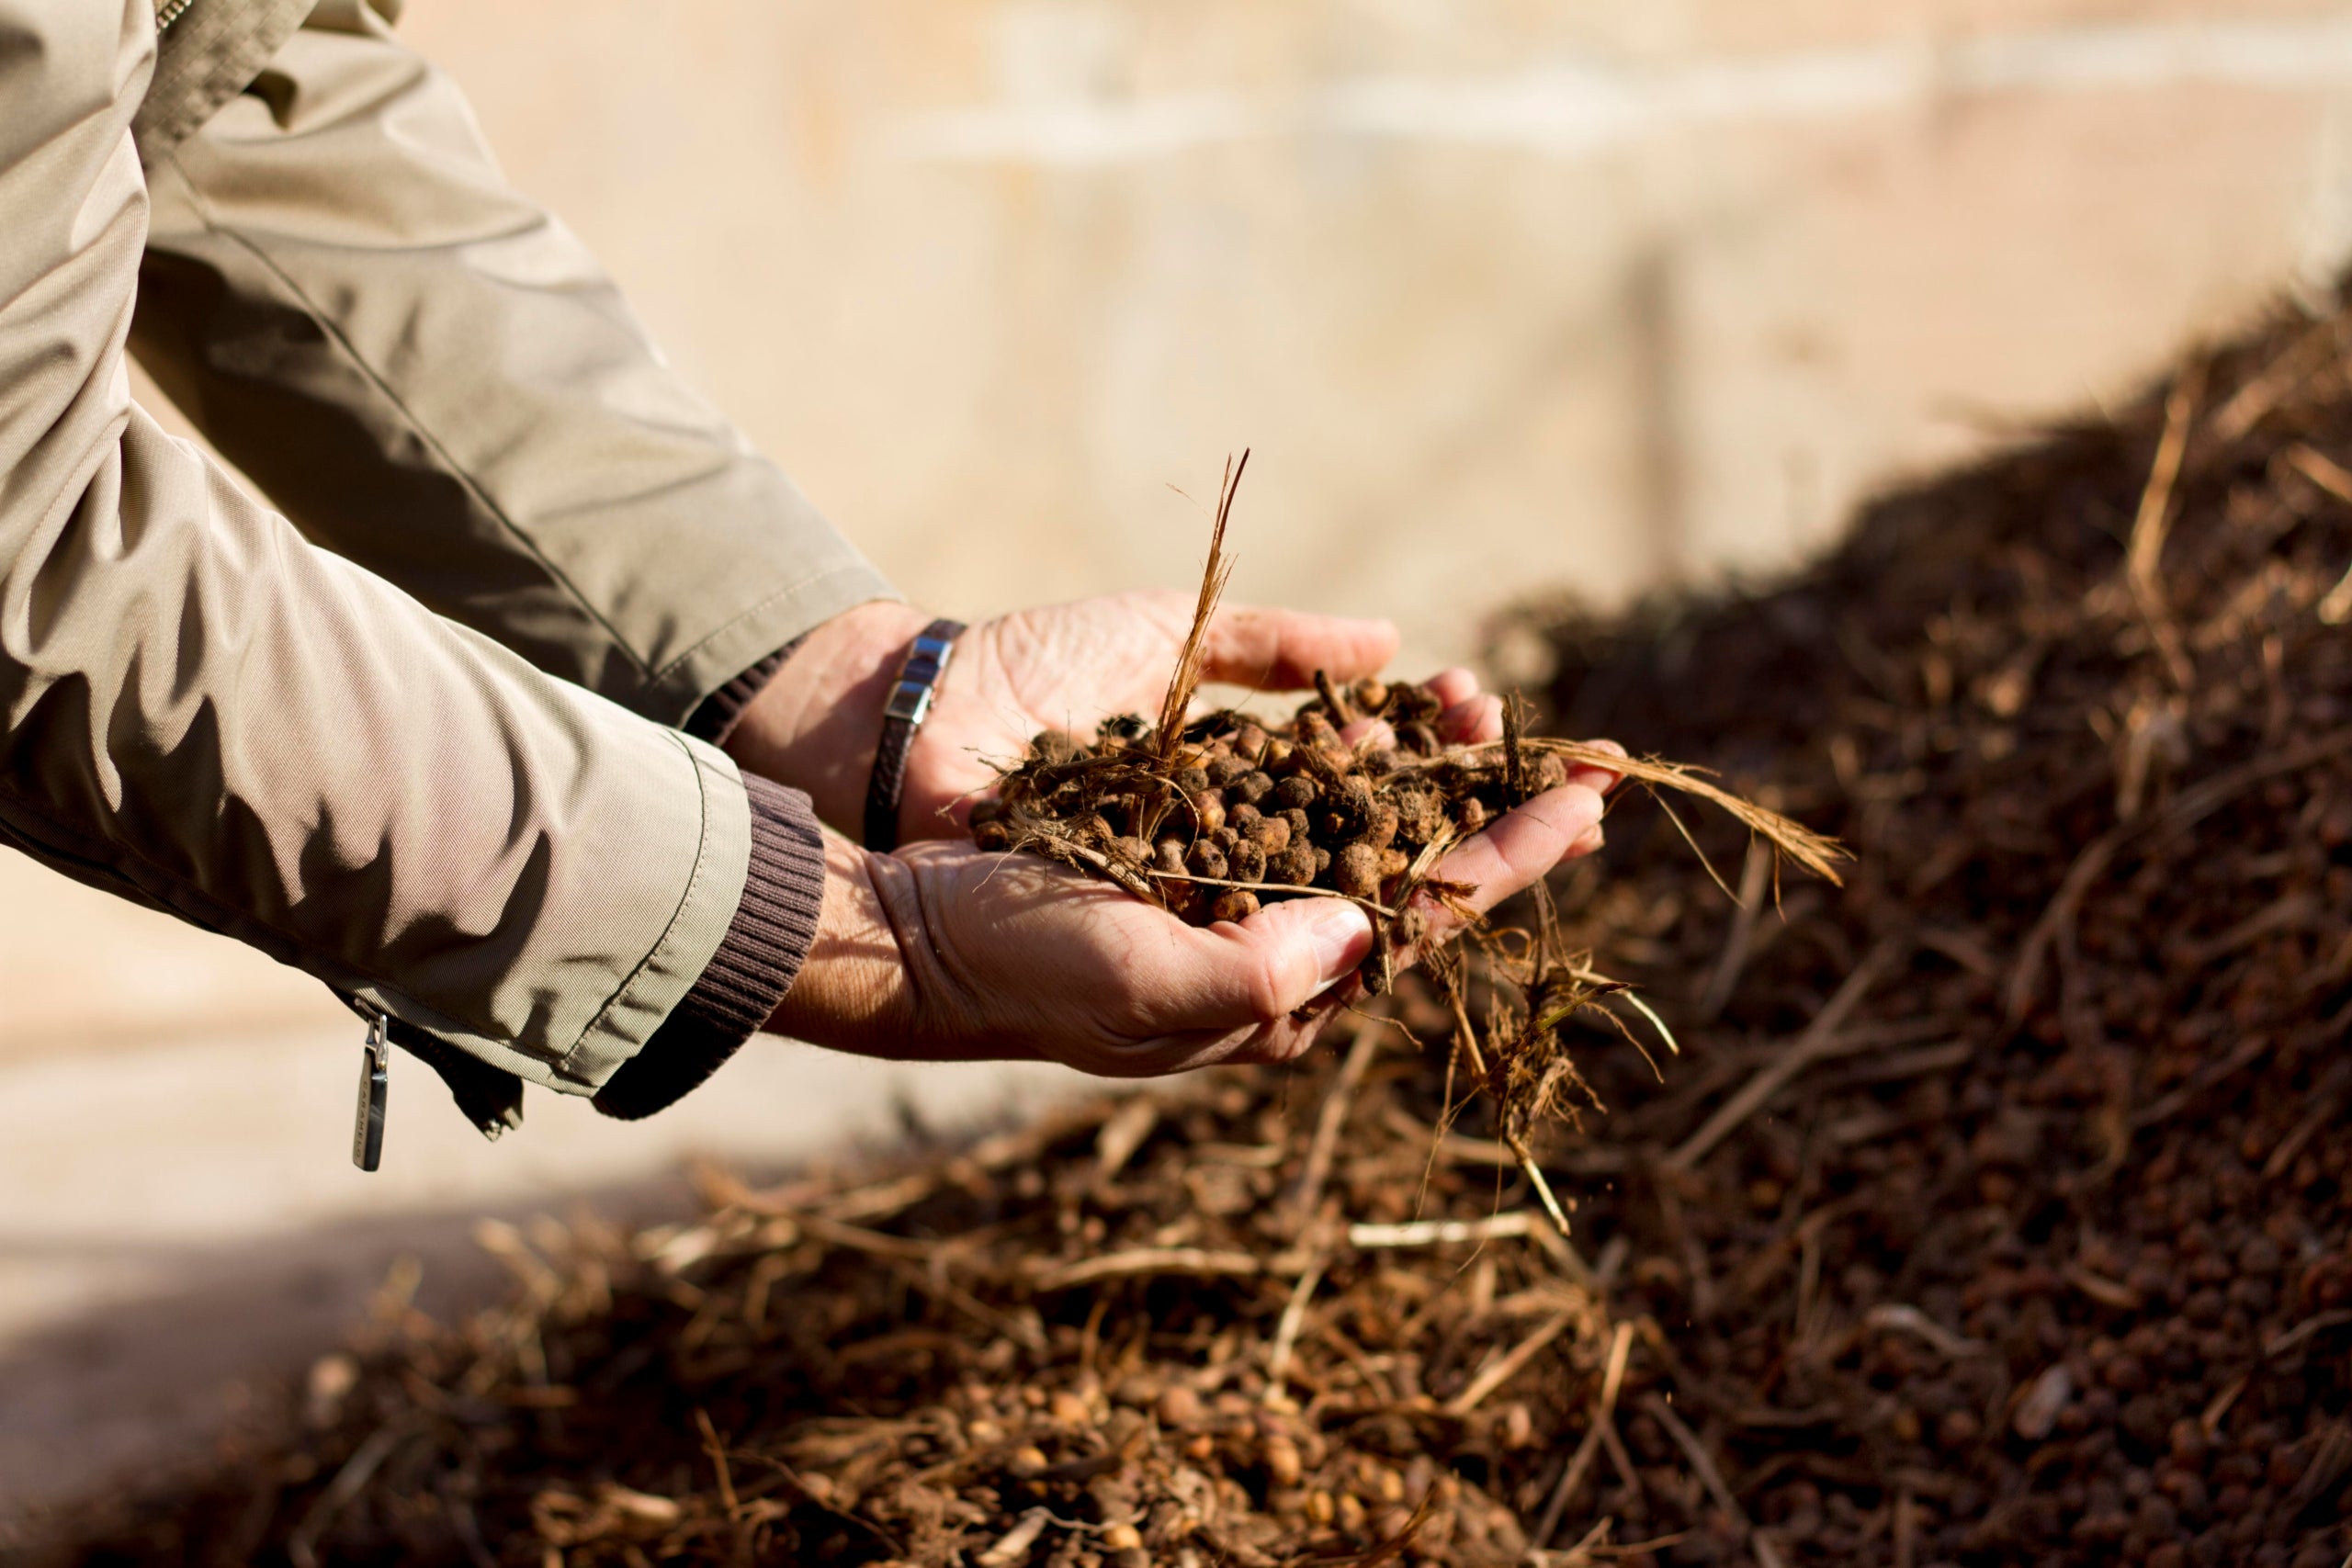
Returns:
<point x="1605" y="1411"/>
<point x="1818" y="1038"/>
<point x="1504" y="1369"/>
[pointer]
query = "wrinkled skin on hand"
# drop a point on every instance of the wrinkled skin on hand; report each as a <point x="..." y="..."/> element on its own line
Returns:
<point x="946" y="951"/>
<point x="1071" y="666"/>
<point x="943" y="951"/>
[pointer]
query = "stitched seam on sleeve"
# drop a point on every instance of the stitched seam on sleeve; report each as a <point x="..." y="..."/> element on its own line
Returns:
<point x="433" y="443"/>
<point x="661" y="944"/>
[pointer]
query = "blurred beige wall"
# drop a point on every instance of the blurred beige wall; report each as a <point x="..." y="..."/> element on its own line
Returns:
<point x="1505" y="294"/>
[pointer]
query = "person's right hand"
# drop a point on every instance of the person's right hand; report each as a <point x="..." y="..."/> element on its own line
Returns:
<point x="943" y="951"/>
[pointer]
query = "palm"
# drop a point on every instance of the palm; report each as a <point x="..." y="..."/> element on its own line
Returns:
<point x="1065" y="668"/>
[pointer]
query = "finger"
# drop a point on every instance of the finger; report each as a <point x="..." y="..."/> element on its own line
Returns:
<point x="1260" y="971"/>
<point x="1282" y="650"/>
<point x="1374" y="730"/>
<point x="1453" y="687"/>
<point x="1598" y="779"/>
<point x="1473" y="722"/>
<point x="1517" y="851"/>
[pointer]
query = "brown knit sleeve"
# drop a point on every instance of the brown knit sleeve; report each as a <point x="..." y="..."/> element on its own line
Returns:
<point x="716" y="718"/>
<point x="784" y="893"/>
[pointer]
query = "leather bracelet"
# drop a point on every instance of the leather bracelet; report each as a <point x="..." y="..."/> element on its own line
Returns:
<point x="902" y="715"/>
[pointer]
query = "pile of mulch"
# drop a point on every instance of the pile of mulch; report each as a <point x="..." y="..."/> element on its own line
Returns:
<point x="1998" y="1210"/>
<point x="1993" y="1209"/>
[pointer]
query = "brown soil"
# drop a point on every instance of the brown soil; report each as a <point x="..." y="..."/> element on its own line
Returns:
<point x="1994" y="1212"/>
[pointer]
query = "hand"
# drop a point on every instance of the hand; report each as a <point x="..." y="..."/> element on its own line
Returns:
<point x="943" y="951"/>
<point x="1067" y="666"/>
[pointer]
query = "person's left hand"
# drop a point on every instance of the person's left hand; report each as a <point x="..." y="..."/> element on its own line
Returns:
<point x="1065" y="665"/>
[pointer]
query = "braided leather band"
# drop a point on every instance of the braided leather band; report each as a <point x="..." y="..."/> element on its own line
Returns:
<point x="902" y="715"/>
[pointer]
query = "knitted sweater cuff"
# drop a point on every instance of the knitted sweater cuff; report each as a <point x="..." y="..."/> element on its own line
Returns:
<point x="784" y="893"/>
<point x="718" y="715"/>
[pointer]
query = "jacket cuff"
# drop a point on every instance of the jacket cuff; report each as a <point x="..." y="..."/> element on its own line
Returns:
<point x="784" y="894"/>
<point x="720" y="713"/>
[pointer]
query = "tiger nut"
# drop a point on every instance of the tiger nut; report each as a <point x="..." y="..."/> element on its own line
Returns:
<point x="1180" y="1407"/>
<point x="1234" y="904"/>
<point x="1419" y="816"/>
<point x="1297" y="792"/>
<point x="1208" y="809"/>
<point x="1295" y="867"/>
<point x="1412" y="701"/>
<point x="1315" y="730"/>
<point x="1355" y="871"/>
<point x="1247" y="862"/>
<point x="1279" y="1453"/>
<point x="1271" y="834"/>
<point x="1205" y="859"/>
<point x="1253" y="786"/>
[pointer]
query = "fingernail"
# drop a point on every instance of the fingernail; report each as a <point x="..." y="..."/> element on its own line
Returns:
<point x="1589" y="842"/>
<point x="1341" y="934"/>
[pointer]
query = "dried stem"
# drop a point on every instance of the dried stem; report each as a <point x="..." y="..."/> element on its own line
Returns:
<point x="1214" y="574"/>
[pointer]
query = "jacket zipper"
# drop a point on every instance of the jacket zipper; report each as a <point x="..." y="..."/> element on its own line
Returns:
<point x="169" y="12"/>
<point x="375" y="1082"/>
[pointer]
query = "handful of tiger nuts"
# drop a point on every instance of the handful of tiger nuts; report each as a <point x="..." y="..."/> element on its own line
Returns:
<point x="1233" y="814"/>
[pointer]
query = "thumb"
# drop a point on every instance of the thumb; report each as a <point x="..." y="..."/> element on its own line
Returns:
<point x="1281" y="649"/>
<point x="1274" y="963"/>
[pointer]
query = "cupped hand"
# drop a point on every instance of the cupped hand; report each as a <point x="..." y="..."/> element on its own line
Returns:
<point x="943" y="951"/>
<point x="1065" y="666"/>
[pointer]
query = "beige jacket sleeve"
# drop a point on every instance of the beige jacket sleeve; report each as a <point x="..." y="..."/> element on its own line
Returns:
<point x="435" y="379"/>
<point x="201" y="709"/>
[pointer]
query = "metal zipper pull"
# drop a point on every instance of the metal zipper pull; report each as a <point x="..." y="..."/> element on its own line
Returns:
<point x="375" y="1069"/>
